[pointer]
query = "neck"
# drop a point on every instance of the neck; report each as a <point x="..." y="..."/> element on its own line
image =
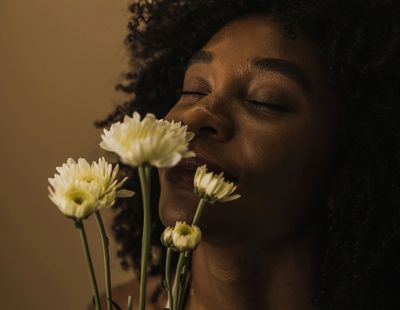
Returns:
<point x="239" y="276"/>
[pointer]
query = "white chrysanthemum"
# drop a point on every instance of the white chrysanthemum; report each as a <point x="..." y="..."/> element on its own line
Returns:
<point x="185" y="237"/>
<point x="166" y="237"/>
<point x="212" y="187"/>
<point x="79" y="189"/>
<point x="159" y="143"/>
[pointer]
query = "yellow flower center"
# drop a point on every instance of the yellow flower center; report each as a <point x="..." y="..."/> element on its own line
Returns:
<point x="184" y="230"/>
<point x="88" y="178"/>
<point x="77" y="196"/>
<point x="78" y="200"/>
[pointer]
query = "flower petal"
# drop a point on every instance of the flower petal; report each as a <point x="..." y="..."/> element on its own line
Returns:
<point x="124" y="193"/>
<point x="158" y="142"/>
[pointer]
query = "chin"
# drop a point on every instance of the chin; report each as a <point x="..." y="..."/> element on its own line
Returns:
<point x="177" y="201"/>
<point x="177" y="205"/>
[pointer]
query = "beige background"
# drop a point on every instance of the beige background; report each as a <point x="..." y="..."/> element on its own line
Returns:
<point x="59" y="62"/>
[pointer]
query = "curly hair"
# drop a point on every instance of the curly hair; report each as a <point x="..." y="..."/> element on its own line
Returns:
<point x="359" y="41"/>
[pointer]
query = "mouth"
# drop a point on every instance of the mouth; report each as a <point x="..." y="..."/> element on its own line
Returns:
<point x="183" y="173"/>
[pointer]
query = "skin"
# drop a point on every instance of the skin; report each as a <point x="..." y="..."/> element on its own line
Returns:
<point x="261" y="251"/>
<point x="283" y="159"/>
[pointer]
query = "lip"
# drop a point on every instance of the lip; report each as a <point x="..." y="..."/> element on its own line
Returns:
<point x="183" y="173"/>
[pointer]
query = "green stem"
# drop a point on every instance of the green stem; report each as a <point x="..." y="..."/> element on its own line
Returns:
<point x="130" y="302"/>
<point x="85" y="246"/>
<point x="177" y="281"/>
<point x="168" y="278"/>
<point x="182" y="293"/>
<point x="144" y="175"/>
<point x="181" y="288"/>
<point x="199" y="211"/>
<point x="106" y="260"/>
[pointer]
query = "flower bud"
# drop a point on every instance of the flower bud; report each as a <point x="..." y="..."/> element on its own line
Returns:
<point x="185" y="237"/>
<point x="212" y="187"/>
<point x="166" y="237"/>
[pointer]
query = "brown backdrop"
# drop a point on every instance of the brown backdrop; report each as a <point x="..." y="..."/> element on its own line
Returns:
<point x="59" y="62"/>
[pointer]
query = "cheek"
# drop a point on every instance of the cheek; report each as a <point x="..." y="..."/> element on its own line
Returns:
<point x="274" y="151"/>
<point x="299" y="147"/>
<point x="286" y="166"/>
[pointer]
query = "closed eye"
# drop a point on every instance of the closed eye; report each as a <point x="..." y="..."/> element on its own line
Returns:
<point x="257" y="104"/>
<point x="190" y="93"/>
<point x="268" y="105"/>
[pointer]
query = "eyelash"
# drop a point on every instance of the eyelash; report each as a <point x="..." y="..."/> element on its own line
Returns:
<point x="189" y="93"/>
<point x="257" y="103"/>
<point x="268" y="105"/>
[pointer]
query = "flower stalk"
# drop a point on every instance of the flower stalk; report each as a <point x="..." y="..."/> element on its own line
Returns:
<point x="130" y="302"/>
<point x="106" y="259"/>
<point x="181" y="292"/>
<point x="184" y="280"/>
<point x="79" y="225"/>
<point x="185" y="257"/>
<point x="178" y="281"/>
<point x="144" y="175"/>
<point x="168" y="278"/>
<point x="199" y="211"/>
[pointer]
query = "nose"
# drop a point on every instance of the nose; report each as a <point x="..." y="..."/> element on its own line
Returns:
<point x="207" y="122"/>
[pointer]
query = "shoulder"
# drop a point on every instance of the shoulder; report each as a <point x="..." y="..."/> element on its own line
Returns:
<point x="121" y="292"/>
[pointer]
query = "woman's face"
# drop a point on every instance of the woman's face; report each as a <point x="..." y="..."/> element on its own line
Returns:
<point x="260" y="107"/>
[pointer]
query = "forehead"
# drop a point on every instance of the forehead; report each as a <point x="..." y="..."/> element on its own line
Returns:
<point x="261" y="36"/>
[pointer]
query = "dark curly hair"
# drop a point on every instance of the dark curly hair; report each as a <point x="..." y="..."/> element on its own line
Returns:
<point x="359" y="40"/>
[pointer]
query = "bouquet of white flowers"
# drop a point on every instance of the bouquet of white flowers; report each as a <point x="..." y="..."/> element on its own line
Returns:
<point x="80" y="189"/>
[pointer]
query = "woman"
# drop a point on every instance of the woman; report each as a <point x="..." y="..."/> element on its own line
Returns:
<point x="297" y="101"/>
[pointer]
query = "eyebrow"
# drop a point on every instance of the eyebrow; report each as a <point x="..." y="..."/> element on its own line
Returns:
<point x="202" y="57"/>
<point x="281" y="66"/>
